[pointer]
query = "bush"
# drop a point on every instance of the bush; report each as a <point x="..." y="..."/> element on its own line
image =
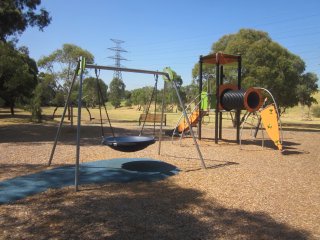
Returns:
<point x="128" y="103"/>
<point x="316" y="111"/>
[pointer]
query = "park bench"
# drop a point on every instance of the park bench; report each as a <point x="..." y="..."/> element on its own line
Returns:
<point x="151" y="117"/>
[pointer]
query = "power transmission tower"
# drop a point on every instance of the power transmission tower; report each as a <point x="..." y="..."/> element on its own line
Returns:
<point x="117" y="49"/>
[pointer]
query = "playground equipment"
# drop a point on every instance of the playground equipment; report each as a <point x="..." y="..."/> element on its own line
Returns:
<point x="124" y="142"/>
<point x="230" y="97"/>
<point x="194" y="114"/>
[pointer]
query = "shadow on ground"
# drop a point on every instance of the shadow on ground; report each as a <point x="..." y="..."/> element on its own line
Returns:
<point x="158" y="210"/>
<point x="37" y="133"/>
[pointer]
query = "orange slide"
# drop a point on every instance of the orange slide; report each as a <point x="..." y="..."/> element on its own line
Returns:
<point x="194" y="118"/>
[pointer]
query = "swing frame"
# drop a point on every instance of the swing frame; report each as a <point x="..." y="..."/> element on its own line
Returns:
<point x="81" y="66"/>
<point x="126" y="143"/>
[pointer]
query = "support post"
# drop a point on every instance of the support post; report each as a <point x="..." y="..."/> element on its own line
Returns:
<point x="162" y="115"/>
<point x="220" y="113"/>
<point x="216" y="123"/>
<point x="189" y="124"/>
<point x="238" y="112"/>
<point x="63" y="114"/>
<point x="200" y="91"/>
<point x="76" y="180"/>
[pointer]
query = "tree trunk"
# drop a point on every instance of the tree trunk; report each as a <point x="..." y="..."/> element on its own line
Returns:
<point x="54" y="112"/>
<point x="12" y="109"/>
<point x="302" y="111"/>
<point x="71" y="118"/>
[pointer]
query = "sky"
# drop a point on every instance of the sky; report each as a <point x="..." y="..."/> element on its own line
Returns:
<point x="173" y="33"/>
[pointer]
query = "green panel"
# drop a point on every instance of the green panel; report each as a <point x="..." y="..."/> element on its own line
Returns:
<point x="82" y="64"/>
<point x="204" y="101"/>
<point x="169" y="71"/>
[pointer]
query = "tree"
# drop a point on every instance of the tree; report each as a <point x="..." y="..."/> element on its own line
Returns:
<point x="127" y="96"/>
<point x="141" y="96"/>
<point x="305" y="89"/>
<point x="61" y="64"/>
<point x="265" y="64"/>
<point x="17" y="15"/>
<point x="48" y="88"/>
<point x="66" y="58"/>
<point x="171" y="94"/>
<point x="18" y="75"/>
<point x="90" y="91"/>
<point x="117" y="90"/>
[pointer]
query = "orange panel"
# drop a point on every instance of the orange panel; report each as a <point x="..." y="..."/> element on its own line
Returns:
<point x="270" y="122"/>
<point x="193" y="119"/>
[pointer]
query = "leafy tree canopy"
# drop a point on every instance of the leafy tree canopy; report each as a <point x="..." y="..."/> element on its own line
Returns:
<point x="171" y="95"/>
<point x="265" y="63"/>
<point x="18" y="75"/>
<point x="90" y="91"/>
<point x="17" y="15"/>
<point x="306" y="88"/>
<point x="62" y="62"/>
<point x="117" y="90"/>
<point x="141" y="96"/>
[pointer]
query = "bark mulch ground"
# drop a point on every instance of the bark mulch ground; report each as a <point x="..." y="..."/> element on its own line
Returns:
<point x="247" y="193"/>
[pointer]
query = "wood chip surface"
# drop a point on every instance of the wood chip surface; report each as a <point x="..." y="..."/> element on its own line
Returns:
<point x="245" y="193"/>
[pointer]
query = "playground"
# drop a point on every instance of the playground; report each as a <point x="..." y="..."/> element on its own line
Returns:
<point x="247" y="193"/>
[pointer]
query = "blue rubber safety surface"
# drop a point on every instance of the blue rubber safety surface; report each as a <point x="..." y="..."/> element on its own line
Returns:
<point x="102" y="171"/>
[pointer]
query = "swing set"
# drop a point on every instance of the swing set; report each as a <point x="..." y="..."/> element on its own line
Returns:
<point x="120" y="143"/>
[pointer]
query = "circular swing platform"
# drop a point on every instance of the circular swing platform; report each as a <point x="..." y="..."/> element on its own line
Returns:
<point x="128" y="143"/>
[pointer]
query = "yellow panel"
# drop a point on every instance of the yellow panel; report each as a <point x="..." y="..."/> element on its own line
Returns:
<point x="270" y="122"/>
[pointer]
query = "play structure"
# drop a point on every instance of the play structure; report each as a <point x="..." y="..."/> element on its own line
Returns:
<point x="228" y="98"/>
<point x="231" y="98"/>
<point x="120" y="143"/>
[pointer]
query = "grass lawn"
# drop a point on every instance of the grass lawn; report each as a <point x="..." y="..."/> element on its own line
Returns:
<point x="292" y="118"/>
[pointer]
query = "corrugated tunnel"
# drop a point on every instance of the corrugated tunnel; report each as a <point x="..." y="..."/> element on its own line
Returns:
<point x="233" y="99"/>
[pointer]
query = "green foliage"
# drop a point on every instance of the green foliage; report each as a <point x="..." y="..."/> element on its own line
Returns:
<point x="264" y="64"/>
<point x="191" y="91"/>
<point x="171" y="94"/>
<point x="48" y="89"/>
<point x="127" y="96"/>
<point x="58" y="99"/>
<point x="117" y="90"/>
<point x="18" y="75"/>
<point x="316" y="111"/>
<point x="66" y="57"/>
<point x="306" y="88"/>
<point x="128" y="102"/>
<point x="17" y="15"/>
<point x="36" y="103"/>
<point x="90" y="91"/>
<point x="141" y="96"/>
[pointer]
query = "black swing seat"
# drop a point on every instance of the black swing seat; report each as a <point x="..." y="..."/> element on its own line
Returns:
<point x="128" y="143"/>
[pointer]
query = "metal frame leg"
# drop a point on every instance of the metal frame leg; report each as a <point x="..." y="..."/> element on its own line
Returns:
<point x="187" y="119"/>
<point x="63" y="114"/>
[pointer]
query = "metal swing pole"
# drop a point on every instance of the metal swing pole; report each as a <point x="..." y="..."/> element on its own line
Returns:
<point x="76" y="173"/>
<point x="155" y="106"/>
<point x="189" y="124"/>
<point x="148" y="108"/>
<point x="162" y="115"/>
<point x="63" y="114"/>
